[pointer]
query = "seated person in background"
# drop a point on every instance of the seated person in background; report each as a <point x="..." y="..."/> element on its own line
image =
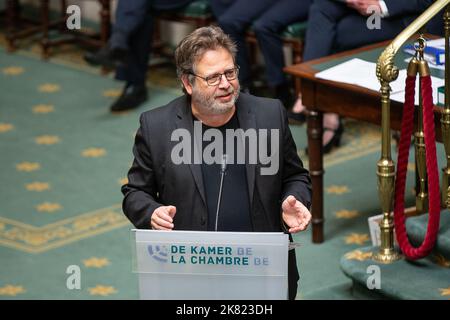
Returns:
<point x="335" y="26"/>
<point x="436" y="24"/>
<point x="268" y="18"/>
<point x="164" y="193"/>
<point x="129" y="47"/>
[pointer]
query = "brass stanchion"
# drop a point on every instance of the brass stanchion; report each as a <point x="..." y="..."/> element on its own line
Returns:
<point x="386" y="73"/>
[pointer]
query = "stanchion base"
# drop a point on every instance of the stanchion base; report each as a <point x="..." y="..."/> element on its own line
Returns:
<point x="387" y="256"/>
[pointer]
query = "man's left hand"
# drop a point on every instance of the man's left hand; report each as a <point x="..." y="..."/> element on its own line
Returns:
<point x="295" y="215"/>
<point x="362" y="6"/>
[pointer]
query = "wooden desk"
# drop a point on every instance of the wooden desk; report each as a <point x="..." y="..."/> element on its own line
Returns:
<point x="350" y="101"/>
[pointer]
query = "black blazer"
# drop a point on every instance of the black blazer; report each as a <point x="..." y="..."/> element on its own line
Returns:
<point x="154" y="180"/>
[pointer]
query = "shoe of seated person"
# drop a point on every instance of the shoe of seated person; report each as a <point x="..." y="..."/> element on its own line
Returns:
<point x="131" y="98"/>
<point x="107" y="57"/>
<point x="296" y="117"/>
<point x="335" y="141"/>
<point x="283" y="93"/>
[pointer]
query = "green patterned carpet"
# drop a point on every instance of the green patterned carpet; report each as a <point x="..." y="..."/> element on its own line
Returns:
<point x="64" y="157"/>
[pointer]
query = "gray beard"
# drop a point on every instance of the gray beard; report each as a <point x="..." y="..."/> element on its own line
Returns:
<point x="209" y="105"/>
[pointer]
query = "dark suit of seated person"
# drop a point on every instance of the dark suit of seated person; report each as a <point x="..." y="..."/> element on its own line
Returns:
<point x="268" y="19"/>
<point x="335" y="26"/>
<point x="129" y="47"/>
<point x="168" y="189"/>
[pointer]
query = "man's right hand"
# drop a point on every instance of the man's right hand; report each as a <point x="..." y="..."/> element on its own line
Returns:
<point x="162" y="218"/>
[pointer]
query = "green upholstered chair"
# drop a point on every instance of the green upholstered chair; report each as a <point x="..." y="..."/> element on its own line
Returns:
<point x="197" y="12"/>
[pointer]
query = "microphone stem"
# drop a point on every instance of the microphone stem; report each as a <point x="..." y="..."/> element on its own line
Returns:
<point x="222" y="175"/>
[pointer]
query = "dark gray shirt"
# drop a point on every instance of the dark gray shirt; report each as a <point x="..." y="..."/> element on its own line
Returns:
<point x="234" y="214"/>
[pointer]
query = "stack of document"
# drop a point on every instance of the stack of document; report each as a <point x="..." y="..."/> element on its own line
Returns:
<point x="363" y="73"/>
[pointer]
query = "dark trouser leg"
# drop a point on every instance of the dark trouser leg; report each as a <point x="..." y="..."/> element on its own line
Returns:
<point x="140" y="46"/>
<point x="436" y="25"/>
<point x="130" y="14"/>
<point x="352" y="31"/>
<point x="268" y="28"/>
<point x="234" y="17"/>
<point x="323" y="18"/>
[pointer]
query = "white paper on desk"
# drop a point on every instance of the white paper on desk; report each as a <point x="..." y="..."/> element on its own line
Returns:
<point x="435" y="82"/>
<point x="361" y="73"/>
<point x="436" y="43"/>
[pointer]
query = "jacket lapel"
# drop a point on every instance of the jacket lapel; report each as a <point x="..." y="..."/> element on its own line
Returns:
<point x="184" y="120"/>
<point x="247" y="120"/>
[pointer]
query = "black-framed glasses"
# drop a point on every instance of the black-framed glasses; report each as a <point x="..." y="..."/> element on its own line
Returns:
<point x="214" y="79"/>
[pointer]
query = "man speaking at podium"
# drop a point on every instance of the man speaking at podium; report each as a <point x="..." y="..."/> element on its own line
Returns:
<point x="217" y="159"/>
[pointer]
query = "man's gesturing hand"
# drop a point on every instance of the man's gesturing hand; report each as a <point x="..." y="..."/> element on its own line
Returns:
<point x="295" y="215"/>
<point x="162" y="218"/>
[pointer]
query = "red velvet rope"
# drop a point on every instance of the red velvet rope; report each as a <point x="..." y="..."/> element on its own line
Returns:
<point x="432" y="170"/>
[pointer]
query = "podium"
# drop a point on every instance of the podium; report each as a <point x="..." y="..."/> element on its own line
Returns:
<point x="200" y="265"/>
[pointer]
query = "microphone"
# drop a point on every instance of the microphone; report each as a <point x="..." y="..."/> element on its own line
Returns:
<point x="223" y="168"/>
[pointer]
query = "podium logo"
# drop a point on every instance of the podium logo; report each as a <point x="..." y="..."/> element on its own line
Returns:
<point x="158" y="253"/>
